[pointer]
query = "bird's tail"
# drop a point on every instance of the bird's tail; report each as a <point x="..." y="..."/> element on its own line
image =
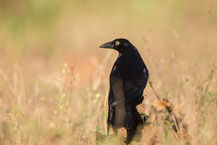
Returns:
<point x="108" y="126"/>
<point x="110" y="113"/>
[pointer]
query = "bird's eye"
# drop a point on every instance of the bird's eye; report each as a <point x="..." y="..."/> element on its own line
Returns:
<point x="117" y="43"/>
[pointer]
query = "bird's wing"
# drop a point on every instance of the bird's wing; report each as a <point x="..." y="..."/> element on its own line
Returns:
<point x="118" y="96"/>
<point x="134" y="90"/>
<point x="125" y="94"/>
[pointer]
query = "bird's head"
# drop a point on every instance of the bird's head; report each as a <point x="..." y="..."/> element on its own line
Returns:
<point x="118" y="44"/>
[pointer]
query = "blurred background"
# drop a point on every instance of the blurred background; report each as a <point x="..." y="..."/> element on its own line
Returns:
<point x="54" y="77"/>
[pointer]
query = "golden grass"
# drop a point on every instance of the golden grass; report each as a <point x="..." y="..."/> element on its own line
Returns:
<point x="54" y="78"/>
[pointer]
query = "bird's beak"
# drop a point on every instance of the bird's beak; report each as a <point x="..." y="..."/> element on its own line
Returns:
<point x="107" y="45"/>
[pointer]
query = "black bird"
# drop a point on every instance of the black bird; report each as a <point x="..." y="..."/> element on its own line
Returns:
<point x="128" y="79"/>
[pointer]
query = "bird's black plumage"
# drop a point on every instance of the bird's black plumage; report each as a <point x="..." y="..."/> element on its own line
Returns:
<point x="128" y="79"/>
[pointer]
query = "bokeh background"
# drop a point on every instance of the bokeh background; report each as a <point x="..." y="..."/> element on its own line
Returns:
<point x="54" y="77"/>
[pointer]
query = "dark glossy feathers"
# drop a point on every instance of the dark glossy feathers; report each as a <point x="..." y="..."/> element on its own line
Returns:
<point x="128" y="79"/>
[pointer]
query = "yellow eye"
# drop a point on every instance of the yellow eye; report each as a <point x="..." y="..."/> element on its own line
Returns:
<point x="117" y="43"/>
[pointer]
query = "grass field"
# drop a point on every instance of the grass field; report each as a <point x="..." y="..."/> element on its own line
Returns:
<point x="54" y="77"/>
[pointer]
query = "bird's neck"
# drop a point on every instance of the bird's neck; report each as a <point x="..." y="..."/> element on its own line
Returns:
<point x="128" y="52"/>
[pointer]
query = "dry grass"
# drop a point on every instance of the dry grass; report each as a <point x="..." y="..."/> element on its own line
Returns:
<point x="54" y="78"/>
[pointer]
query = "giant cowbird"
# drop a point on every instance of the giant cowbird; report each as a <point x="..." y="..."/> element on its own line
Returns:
<point x="128" y="79"/>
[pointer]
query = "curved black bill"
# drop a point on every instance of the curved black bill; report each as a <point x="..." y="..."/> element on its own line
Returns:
<point x="107" y="45"/>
